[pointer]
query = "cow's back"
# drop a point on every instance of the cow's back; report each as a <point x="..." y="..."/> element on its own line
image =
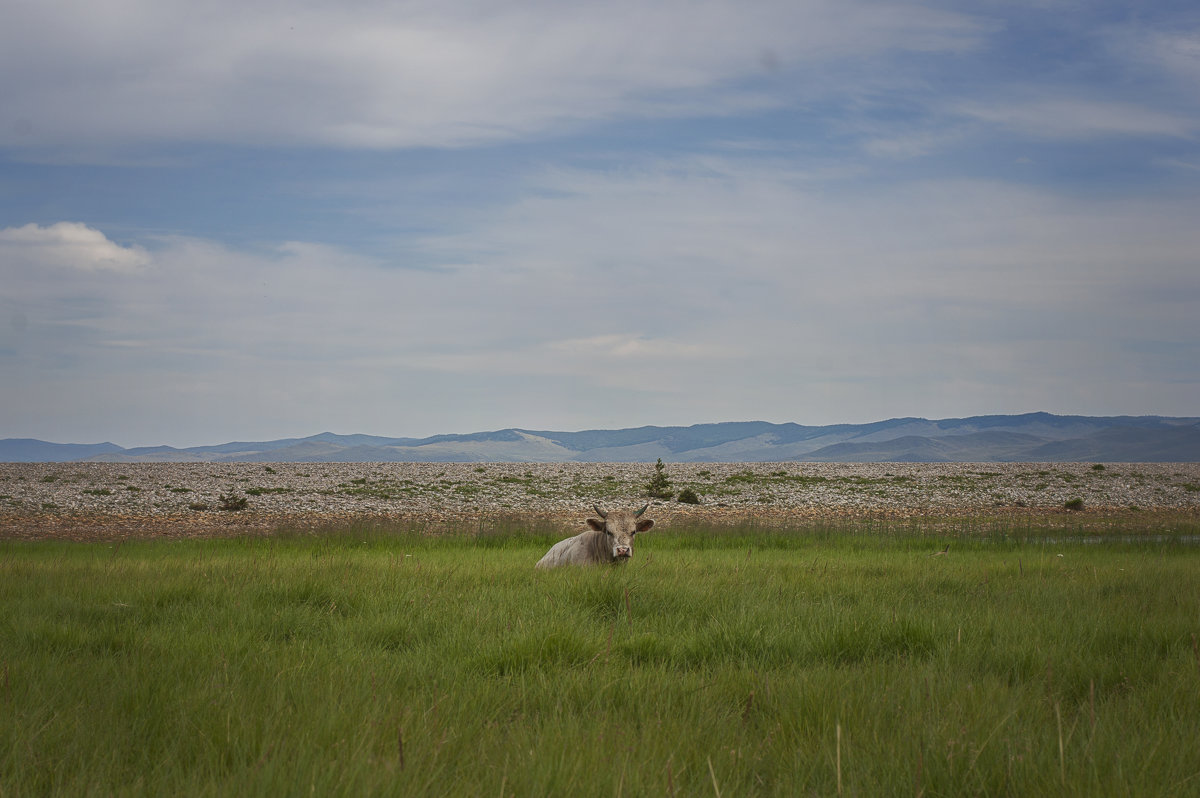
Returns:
<point x="586" y="548"/>
<point x="557" y="554"/>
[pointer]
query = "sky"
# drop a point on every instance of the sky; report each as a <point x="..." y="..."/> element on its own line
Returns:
<point x="245" y="221"/>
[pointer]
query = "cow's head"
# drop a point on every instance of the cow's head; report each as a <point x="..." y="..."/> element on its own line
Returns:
<point x="620" y="526"/>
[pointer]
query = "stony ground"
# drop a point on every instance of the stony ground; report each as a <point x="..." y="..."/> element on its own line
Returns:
<point x="103" y="500"/>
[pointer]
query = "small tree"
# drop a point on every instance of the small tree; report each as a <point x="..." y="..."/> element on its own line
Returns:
<point x="659" y="486"/>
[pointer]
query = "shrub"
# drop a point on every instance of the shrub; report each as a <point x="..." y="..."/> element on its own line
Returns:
<point x="688" y="496"/>
<point x="1073" y="504"/>
<point x="232" y="501"/>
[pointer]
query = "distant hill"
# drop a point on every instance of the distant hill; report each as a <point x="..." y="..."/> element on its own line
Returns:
<point x="26" y="450"/>
<point x="1032" y="437"/>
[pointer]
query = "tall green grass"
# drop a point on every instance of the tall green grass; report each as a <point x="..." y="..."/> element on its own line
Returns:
<point x="736" y="661"/>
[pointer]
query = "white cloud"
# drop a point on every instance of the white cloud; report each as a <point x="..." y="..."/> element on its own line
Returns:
<point x="671" y="291"/>
<point x="1172" y="52"/>
<point x="792" y="284"/>
<point x="1178" y="163"/>
<point x="1179" y="52"/>
<point x="911" y="144"/>
<point x="69" y="245"/>
<point x="1070" y="117"/>
<point x="82" y="74"/>
<point x="627" y="346"/>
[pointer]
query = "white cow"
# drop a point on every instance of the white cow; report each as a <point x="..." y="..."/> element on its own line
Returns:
<point x="609" y="539"/>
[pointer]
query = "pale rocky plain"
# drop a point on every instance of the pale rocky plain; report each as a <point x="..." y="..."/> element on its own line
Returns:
<point x="98" y="501"/>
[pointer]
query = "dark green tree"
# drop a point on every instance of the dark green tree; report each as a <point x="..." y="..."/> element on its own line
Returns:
<point x="659" y="486"/>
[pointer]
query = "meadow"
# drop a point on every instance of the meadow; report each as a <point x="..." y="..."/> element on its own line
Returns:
<point x="819" y="660"/>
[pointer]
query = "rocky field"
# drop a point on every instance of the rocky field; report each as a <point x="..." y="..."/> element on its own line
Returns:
<point x="102" y="500"/>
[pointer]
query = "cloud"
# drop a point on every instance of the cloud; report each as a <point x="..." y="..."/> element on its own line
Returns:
<point x="1173" y="52"/>
<point x="668" y="291"/>
<point x="1070" y="118"/>
<point x="625" y="346"/>
<point x="1129" y="80"/>
<point x="1178" y="52"/>
<point x="822" y="238"/>
<point x="85" y="75"/>
<point x="788" y="283"/>
<point x="69" y="245"/>
<point x="1178" y="163"/>
<point x="910" y="145"/>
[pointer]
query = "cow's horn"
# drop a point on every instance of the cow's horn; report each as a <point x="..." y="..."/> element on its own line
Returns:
<point x="639" y="512"/>
<point x="599" y="512"/>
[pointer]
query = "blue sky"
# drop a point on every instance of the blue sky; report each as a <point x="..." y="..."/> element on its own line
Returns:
<point x="250" y="221"/>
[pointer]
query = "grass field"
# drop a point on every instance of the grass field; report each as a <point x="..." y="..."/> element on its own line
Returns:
<point x="731" y="661"/>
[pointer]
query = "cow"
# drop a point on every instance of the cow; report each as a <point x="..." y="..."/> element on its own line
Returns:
<point x="609" y="539"/>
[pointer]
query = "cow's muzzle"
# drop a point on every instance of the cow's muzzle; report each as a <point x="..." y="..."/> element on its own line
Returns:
<point x="623" y="552"/>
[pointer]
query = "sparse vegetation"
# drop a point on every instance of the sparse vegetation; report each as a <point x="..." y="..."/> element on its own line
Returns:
<point x="1074" y="505"/>
<point x="750" y="478"/>
<point x="142" y="495"/>
<point x="266" y="491"/>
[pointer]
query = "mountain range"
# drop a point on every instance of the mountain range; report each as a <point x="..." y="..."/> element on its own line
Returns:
<point x="1031" y="437"/>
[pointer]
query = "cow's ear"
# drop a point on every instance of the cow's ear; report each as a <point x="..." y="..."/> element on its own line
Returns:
<point x="642" y="526"/>
<point x="596" y="525"/>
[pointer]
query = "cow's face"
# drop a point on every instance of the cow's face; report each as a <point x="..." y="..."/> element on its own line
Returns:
<point x="620" y="526"/>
